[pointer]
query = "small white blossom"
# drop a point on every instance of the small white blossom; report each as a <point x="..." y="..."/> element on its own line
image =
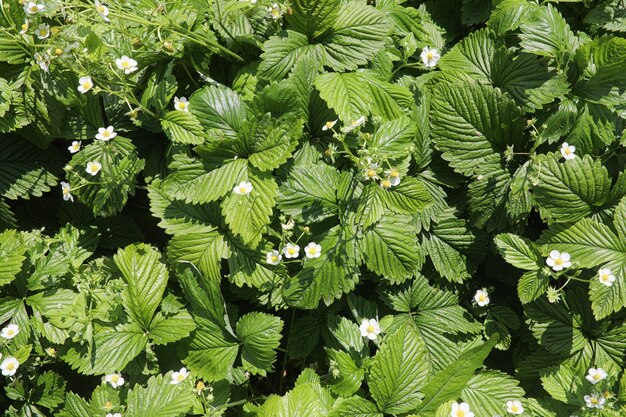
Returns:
<point x="9" y="366"/>
<point x="31" y="8"/>
<point x="180" y="376"/>
<point x="43" y="31"/>
<point x="354" y="124"/>
<point x="114" y="415"/>
<point x="558" y="260"/>
<point x="482" y="297"/>
<point x="116" y="380"/>
<point x="514" y="407"/>
<point x="25" y="26"/>
<point x="102" y="10"/>
<point x="181" y="104"/>
<point x="243" y="188"/>
<point x="106" y="133"/>
<point x="594" y="401"/>
<point x="394" y="176"/>
<point x="430" y="57"/>
<point x="370" y="172"/>
<point x="85" y="84"/>
<point x="291" y="251"/>
<point x="329" y="125"/>
<point x="74" y="147"/>
<point x="43" y="61"/>
<point x="275" y="11"/>
<point x="274" y="257"/>
<point x="385" y="183"/>
<point x="313" y="250"/>
<point x="596" y="375"/>
<point x="127" y="64"/>
<point x="10" y="331"/>
<point x="568" y="151"/>
<point x="460" y="410"/>
<point x="605" y="277"/>
<point x="369" y="328"/>
<point x="66" y="190"/>
<point x="289" y="225"/>
<point x="93" y="167"/>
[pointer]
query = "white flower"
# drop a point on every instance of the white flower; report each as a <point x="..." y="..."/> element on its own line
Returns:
<point x="386" y="183"/>
<point x="369" y="328"/>
<point x="460" y="410"/>
<point x="274" y="257"/>
<point x="10" y="331"/>
<point x="594" y="401"/>
<point x="102" y="10"/>
<point x="291" y="251"/>
<point x="93" y="167"/>
<point x="313" y="250"/>
<point x="243" y="188"/>
<point x="43" y="61"/>
<point x="116" y="380"/>
<point x="430" y="57"/>
<point x="482" y="297"/>
<point x="394" y="176"/>
<point x="354" y="124"/>
<point x="605" y="277"/>
<point x="275" y="11"/>
<point x="127" y="64"/>
<point x="106" y="134"/>
<point x="114" y="415"/>
<point x="329" y="125"/>
<point x="31" y="8"/>
<point x="9" y="366"/>
<point x="181" y="104"/>
<point x="85" y="84"/>
<point x="178" y="377"/>
<point x="596" y="375"/>
<point x="65" y="188"/>
<point x="74" y="147"/>
<point x="568" y="151"/>
<point x="558" y="260"/>
<point x="43" y="31"/>
<point x="514" y="407"/>
<point x="289" y="225"/>
<point x="25" y="26"/>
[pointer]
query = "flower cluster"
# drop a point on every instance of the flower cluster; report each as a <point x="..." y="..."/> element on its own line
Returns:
<point x="292" y="251"/>
<point x="597" y="398"/>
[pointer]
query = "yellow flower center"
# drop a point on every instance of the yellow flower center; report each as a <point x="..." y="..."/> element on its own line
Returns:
<point x="115" y="378"/>
<point x="242" y="190"/>
<point x="33" y="9"/>
<point x="394" y="173"/>
<point x="460" y="413"/>
<point x="594" y="401"/>
<point x="86" y="85"/>
<point x="180" y="377"/>
<point x="274" y="258"/>
<point x="10" y="366"/>
<point x="386" y="183"/>
<point x="329" y="125"/>
<point x="200" y="386"/>
<point x="106" y="133"/>
<point x="558" y="261"/>
<point x="275" y="12"/>
<point x="371" y="173"/>
<point x="125" y="64"/>
<point x="481" y="297"/>
<point x="101" y="9"/>
<point x="371" y="329"/>
<point x="43" y="32"/>
<point x="291" y="251"/>
<point x="603" y="277"/>
<point x="24" y="26"/>
<point x="108" y="405"/>
<point x="515" y="408"/>
<point x="567" y="151"/>
<point x="429" y="56"/>
<point x="94" y="169"/>
<point x="597" y="377"/>
<point x="312" y="251"/>
<point x="182" y="105"/>
<point x="10" y="332"/>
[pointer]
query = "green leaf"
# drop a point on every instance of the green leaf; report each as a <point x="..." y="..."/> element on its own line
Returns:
<point x="608" y="14"/>
<point x="355" y="94"/>
<point x="568" y="191"/>
<point x="271" y="142"/>
<point x="219" y="110"/>
<point x="491" y="390"/>
<point x="248" y="215"/>
<point x="600" y="63"/>
<point x="417" y="22"/>
<point x="160" y="398"/>
<point x="164" y="330"/>
<point x="204" y="249"/>
<point x="408" y="197"/>
<point x="201" y="181"/>
<point x="49" y="390"/>
<point x="354" y="407"/>
<point x="390" y="249"/>
<point x="12" y="250"/>
<point x="345" y="374"/>
<point x="448" y="384"/>
<point x="545" y="32"/>
<point x="473" y="124"/>
<point x="307" y="399"/>
<point x="532" y="285"/>
<point x="282" y="51"/>
<point x="260" y="335"/>
<point x="519" y="251"/>
<point x="310" y="193"/>
<point x="313" y="17"/>
<point x="146" y="279"/>
<point x="182" y="127"/>
<point x="399" y="371"/>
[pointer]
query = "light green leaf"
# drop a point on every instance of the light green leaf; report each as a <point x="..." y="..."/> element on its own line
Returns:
<point x="491" y="390"/>
<point x="313" y="17"/>
<point x="390" y="249"/>
<point x="345" y="374"/>
<point x="182" y="127"/>
<point x="260" y="335"/>
<point x="160" y="398"/>
<point x="164" y="330"/>
<point x="354" y="407"/>
<point x="519" y="251"/>
<point x="545" y="32"/>
<point x="219" y="110"/>
<point x="473" y="124"/>
<point x="399" y="371"/>
<point x="532" y="285"/>
<point x="146" y="279"/>
<point x="12" y="251"/>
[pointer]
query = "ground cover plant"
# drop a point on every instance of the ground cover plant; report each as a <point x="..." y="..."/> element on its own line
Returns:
<point x="318" y="208"/>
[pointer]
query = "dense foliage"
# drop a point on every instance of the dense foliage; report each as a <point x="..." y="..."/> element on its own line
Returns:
<point x="317" y="208"/>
